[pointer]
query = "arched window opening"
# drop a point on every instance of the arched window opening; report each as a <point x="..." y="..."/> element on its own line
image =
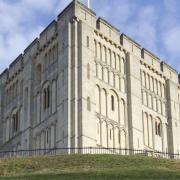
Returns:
<point x="46" y="98"/>
<point x="158" y="128"/>
<point x="112" y="102"/>
<point x="15" y="122"/>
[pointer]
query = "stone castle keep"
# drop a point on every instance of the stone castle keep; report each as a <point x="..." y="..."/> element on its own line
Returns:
<point x="84" y="83"/>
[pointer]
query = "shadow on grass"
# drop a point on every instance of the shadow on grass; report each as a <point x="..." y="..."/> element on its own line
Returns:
<point x="127" y="174"/>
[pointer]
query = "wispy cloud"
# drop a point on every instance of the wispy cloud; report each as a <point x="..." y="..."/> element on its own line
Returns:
<point x="21" y="22"/>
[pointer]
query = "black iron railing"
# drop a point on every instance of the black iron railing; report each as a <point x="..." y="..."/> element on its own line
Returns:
<point x="87" y="150"/>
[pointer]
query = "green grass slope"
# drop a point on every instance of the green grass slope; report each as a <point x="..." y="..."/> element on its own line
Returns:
<point x="89" y="167"/>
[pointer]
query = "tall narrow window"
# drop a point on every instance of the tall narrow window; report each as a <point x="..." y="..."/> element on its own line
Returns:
<point x="156" y="127"/>
<point x="112" y="103"/>
<point x="110" y="134"/>
<point x="47" y="136"/>
<point x="88" y="71"/>
<point x="88" y="104"/>
<point x="159" y="129"/>
<point x="46" y="98"/>
<point x="15" y="122"/>
<point x="88" y="41"/>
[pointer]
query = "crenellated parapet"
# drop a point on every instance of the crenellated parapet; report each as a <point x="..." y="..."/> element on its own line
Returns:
<point x="107" y="31"/>
<point x="16" y="67"/>
<point x="169" y="72"/>
<point x="48" y="34"/>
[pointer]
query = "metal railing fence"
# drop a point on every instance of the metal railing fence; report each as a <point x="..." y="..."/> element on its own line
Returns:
<point x="87" y="150"/>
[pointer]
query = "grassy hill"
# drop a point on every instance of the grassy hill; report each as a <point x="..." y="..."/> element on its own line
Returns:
<point x="89" y="167"/>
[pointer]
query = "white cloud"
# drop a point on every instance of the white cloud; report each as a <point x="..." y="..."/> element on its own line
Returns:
<point x="19" y="26"/>
<point x="172" y="40"/>
<point x="40" y="5"/>
<point x="143" y="28"/>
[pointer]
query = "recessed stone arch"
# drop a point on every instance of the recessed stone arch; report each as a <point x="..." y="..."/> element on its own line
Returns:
<point x="123" y="139"/>
<point x="116" y="137"/>
<point x="98" y="131"/>
<point x="104" y="133"/>
<point x="111" y="78"/>
<point x="158" y="134"/>
<point x="104" y="102"/>
<point x="150" y="128"/>
<point x="97" y="98"/>
<point x="104" y="56"/>
<point x="110" y="136"/>
<point x="118" y="63"/>
<point x="122" y="112"/>
<point x="109" y="57"/>
<point x="145" y="128"/>
<point x="54" y="95"/>
<point x="105" y="76"/>
<point x="99" y="52"/>
<point x="113" y="64"/>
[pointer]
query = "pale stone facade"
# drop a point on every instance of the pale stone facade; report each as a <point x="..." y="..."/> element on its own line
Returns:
<point x="83" y="83"/>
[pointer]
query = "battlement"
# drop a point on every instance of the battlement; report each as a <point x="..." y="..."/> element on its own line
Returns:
<point x="16" y="66"/>
<point x="47" y="34"/>
<point x="108" y="30"/>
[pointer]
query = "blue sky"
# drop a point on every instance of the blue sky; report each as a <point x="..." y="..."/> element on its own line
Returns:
<point x="155" y="24"/>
